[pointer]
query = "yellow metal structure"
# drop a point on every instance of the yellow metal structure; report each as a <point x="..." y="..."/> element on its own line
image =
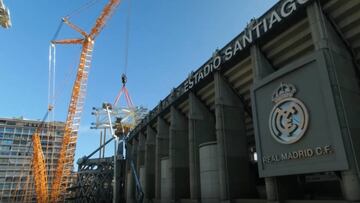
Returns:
<point x="38" y="163"/>
<point x="39" y="168"/>
<point x="67" y="151"/>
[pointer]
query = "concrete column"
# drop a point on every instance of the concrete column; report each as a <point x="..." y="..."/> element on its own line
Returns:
<point x="149" y="186"/>
<point x="209" y="173"/>
<point x="233" y="158"/>
<point x="161" y="150"/>
<point x="272" y="186"/>
<point x="201" y="130"/>
<point x="178" y="156"/>
<point x="128" y="183"/>
<point x="346" y="94"/>
<point x="134" y="151"/>
<point x="130" y="186"/>
<point x="140" y="152"/>
<point x="262" y="68"/>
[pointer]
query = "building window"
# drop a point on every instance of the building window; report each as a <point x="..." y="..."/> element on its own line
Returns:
<point x="5" y="153"/>
<point x="7" y="185"/>
<point x="7" y="142"/>
<point x="3" y="161"/>
<point x="19" y="130"/>
<point x="10" y="130"/>
<point x="5" y="148"/>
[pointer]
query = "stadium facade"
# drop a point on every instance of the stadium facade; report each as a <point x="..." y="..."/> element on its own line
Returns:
<point x="272" y="116"/>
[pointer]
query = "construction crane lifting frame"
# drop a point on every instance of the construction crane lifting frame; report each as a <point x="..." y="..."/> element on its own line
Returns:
<point x="67" y="150"/>
<point x="5" y="20"/>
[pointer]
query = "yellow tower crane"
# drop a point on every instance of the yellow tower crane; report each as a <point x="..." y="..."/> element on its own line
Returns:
<point x="67" y="150"/>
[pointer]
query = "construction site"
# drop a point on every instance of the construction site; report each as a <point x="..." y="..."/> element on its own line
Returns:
<point x="271" y="116"/>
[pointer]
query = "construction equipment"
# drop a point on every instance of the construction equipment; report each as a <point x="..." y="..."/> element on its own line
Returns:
<point x="5" y="21"/>
<point x="121" y="146"/>
<point x="66" y="156"/>
<point x="39" y="163"/>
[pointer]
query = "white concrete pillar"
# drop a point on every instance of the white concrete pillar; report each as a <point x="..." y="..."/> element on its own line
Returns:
<point x="161" y="150"/>
<point x="347" y="92"/>
<point x="201" y="130"/>
<point x="179" y="156"/>
<point x="149" y="186"/>
<point x="233" y="158"/>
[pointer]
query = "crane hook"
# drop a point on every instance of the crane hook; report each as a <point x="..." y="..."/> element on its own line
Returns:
<point x="123" y="79"/>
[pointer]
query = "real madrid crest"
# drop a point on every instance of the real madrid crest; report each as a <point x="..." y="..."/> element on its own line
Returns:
<point x="289" y="118"/>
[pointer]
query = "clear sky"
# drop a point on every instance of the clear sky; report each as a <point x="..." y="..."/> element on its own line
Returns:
<point x="167" y="40"/>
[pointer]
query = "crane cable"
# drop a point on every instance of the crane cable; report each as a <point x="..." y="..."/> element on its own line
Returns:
<point x="51" y="91"/>
<point x="127" y="33"/>
<point x="72" y="14"/>
<point x="51" y="104"/>
<point x="82" y="8"/>
<point x="123" y="89"/>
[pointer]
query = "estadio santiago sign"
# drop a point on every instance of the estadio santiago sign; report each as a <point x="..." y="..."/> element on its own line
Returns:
<point x="255" y="29"/>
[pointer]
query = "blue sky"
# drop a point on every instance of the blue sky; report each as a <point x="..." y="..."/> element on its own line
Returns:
<point x="167" y="40"/>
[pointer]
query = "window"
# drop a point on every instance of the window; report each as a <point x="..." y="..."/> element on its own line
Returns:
<point x="5" y="153"/>
<point x="22" y="149"/>
<point x="5" y="148"/>
<point x="7" y="142"/>
<point x="25" y="131"/>
<point x="11" y="123"/>
<point x="7" y="135"/>
<point x="10" y="130"/>
<point x="19" y="130"/>
<point x="7" y="185"/>
<point x="3" y="161"/>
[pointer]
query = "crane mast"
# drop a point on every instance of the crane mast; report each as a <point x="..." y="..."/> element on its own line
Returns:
<point x="38" y="163"/>
<point x="67" y="150"/>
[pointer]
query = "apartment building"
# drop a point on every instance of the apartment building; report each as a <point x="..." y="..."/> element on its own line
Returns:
<point x="16" y="179"/>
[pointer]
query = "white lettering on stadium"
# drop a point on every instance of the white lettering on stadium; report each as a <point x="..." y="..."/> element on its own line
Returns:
<point x="254" y="31"/>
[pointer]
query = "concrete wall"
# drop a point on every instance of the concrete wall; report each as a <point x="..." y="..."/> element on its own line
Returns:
<point x="142" y="177"/>
<point x="209" y="173"/>
<point x="165" y="179"/>
<point x="179" y="156"/>
<point x="161" y="151"/>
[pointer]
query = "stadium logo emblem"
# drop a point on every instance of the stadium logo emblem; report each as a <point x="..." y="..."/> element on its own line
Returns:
<point x="289" y="117"/>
